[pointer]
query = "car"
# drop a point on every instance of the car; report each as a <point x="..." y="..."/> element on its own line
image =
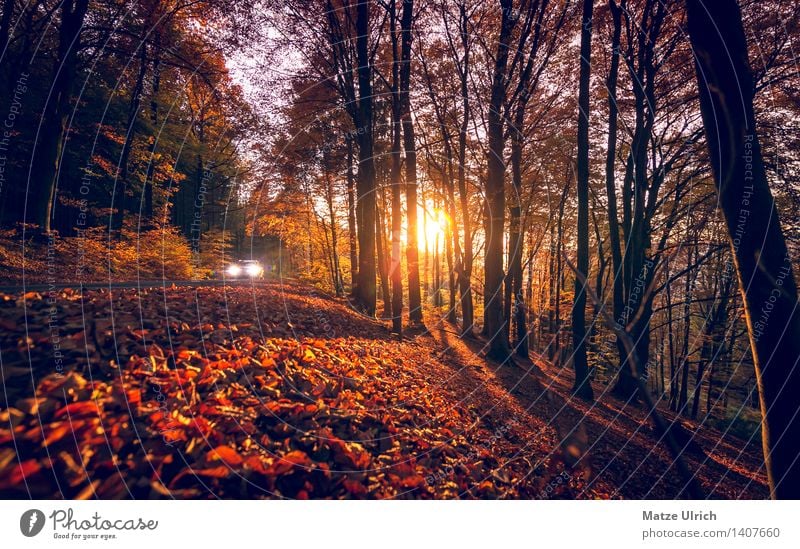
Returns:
<point x="244" y="269"/>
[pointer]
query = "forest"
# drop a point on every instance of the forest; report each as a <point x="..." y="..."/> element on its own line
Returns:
<point x="505" y="249"/>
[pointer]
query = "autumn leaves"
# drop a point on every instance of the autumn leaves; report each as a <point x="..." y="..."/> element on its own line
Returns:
<point x="185" y="407"/>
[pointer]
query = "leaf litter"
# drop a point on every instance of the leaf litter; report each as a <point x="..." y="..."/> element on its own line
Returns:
<point x="248" y="392"/>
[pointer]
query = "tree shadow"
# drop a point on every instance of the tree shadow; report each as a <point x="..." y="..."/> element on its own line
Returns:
<point x="611" y="442"/>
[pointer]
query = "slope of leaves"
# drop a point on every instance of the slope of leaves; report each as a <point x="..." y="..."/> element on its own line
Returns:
<point x="246" y="393"/>
<point x="613" y="442"/>
<point x="631" y="457"/>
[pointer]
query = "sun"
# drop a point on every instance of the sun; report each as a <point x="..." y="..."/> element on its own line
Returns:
<point x="431" y="227"/>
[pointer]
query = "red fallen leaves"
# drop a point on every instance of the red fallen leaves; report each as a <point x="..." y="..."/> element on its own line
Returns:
<point x="406" y="475"/>
<point x="19" y="473"/>
<point x="226" y="454"/>
<point x="78" y="409"/>
<point x="354" y="488"/>
<point x="201" y="407"/>
<point x="295" y="458"/>
<point x="134" y="397"/>
<point x="56" y="432"/>
<point x="214" y="472"/>
<point x="351" y="456"/>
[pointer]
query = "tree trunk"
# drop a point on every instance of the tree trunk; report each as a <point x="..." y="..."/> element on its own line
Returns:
<point x="638" y="268"/>
<point x="366" y="201"/>
<point x="148" y="179"/>
<point x="551" y="294"/>
<point x="582" y="387"/>
<point x="611" y="157"/>
<point x="396" y="180"/>
<point x="465" y="273"/>
<point x="46" y="165"/>
<point x="680" y="405"/>
<point x="351" y="216"/>
<point x="409" y="145"/>
<point x="705" y="354"/>
<point x="118" y="220"/>
<point x="448" y="253"/>
<point x="337" y="276"/>
<point x="495" y="193"/>
<point x="557" y="273"/>
<point x="514" y="301"/>
<point x="673" y="373"/>
<point x="765" y="272"/>
<point x="383" y="263"/>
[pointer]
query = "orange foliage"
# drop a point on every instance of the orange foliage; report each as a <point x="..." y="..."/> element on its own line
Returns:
<point x="93" y="255"/>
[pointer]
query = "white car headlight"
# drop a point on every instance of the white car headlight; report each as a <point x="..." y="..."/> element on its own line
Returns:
<point x="253" y="269"/>
<point x="234" y="270"/>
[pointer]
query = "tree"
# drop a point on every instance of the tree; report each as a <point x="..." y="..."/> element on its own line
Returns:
<point x="545" y="38"/>
<point x="397" y="205"/>
<point x="583" y="386"/>
<point x="46" y="164"/>
<point x="360" y="107"/>
<point x="763" y="266"/>
<point x="409" y="146"/>
<point x="464" y="268"/>
<point x="611" y="158"/>
<point x="495" y="189"/>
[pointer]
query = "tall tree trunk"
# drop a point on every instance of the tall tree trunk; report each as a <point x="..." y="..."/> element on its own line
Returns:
<point x="680" y="405"/>
<point x="495" y="192"/>
<point x="409" y="145"/>
<point x="611" y="158"/>
<point x="673" y="372"/>
<point x="452" y="246"/>
<point x="465" y="272"/>
<point x="148" y="179"/>
<point x="530" y="335"/>
<point x="396" y="180"/>
<point x="366" y="201"/>
<point x="598" y="282"/>
<point x="765" y="272"/>
<point x="46" y="164"/>
<point x="661" y="364"/>
<point x="327" y="248"/>
<point x="514" y="302"/>
<point x="121" y="188"/>
<point x="709" y="391"/>
<point x="558" y="271"/>
<point x="582" y="387"/>
<point x="551" y="295"/>
<point x="426" y="284"/>
<point x="337" y="272"/>
<point x="451" y="291"/>
<point x="383" y="266"/>
<point x="705" y="356"/>
<point x="437" y="273"/>
<point x="638" y="268"/>
<point x="351" y="216"/>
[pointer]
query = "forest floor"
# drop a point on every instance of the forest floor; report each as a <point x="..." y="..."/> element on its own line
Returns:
<point x="282" y="391"/>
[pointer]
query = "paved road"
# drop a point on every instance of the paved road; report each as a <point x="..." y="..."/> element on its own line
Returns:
<point x="133" y="284"/>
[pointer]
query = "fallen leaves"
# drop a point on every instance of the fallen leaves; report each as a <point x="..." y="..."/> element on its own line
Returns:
<point x="226" y="454"/>
<point x="195" y="393"/>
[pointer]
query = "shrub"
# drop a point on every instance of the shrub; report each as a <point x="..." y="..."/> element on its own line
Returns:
<point x="161" y="252"/>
